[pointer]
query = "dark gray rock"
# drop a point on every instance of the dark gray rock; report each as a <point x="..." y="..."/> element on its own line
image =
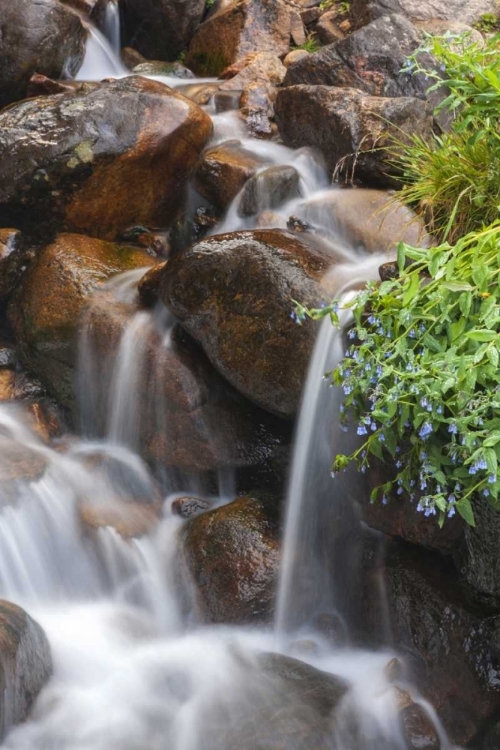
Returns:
<point x="269" y="189"/>
<point x="44" y="37"/>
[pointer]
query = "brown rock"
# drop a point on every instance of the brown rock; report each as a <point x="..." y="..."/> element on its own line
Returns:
<point x="44" y="37"/>
<point x="262" y="67"/>
<point x="132" y="142"/>
<point x="234" y="294"/>
<point x="269" y="189"/>
<point x="232" y="33"/>
<point x="131" y="57"/>
<point x="148" y="285"/>
<point x="130" y="520"/>
<point x="161" y="29"/>
<point x="297" y="30"/>
<point x="226" y="101"/>
<point x="7" y="381"/>
<point x="188" y="418"/>
<point x="199" y="93"/>
<point x="40" y="85"/>
<point x="257" y="108"/>
<point x="161" y="68"/>
<point x="13" y="259"/>
<point x="18" y="465"/>
<point x="25" y="664"/>
<point x="46" y="308"/>
<point x="371" y="220"/>
<point x="223" y="170"/>
<point x="327" y="29"/>
<point x="352" y="130"/>
<point x="450" y="643"/>
<point x="232" y="554"/>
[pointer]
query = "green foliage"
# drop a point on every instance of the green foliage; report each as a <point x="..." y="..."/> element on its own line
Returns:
<point x="343" y="8"/>
<point x="455" y="175"/>
<point x="311" y="45"/>
<point x="421" y="375"/>
<point x="488" y="23"/>
<point x="210" y="3"/>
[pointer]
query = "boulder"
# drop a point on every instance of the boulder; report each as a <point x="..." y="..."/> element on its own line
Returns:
<point x="161" y="29"/>
<point x="131" y="142"/>
<point x="129" y="520"/>
<point x="370" y="60"/>
<point x="187" y="507"/>
<point x="234" y="294"/>
<point x="223" y="170"/>
<point x="95" y="10"/>
<point x="187" y="417"/>
<point x="44" y="37"/>
<point x="354" y="131"/>
<point x="451" y="642"/>
<point x="45" y="310"/>
<point x="257" y="109"/>
<point x="294" y="56"/>
<point x="478" y="557"/>
<point x="25" y="664"/>
<point x="235" y="31"/>
<point x="232" y="556"/>
<point x="263" y="66"/>
<point x="160" y="68"/>
<point x="468" y="11"/>
<point x="13" y="259"/>
<point x="373" y="221"/>
<point x="327" y="28"/>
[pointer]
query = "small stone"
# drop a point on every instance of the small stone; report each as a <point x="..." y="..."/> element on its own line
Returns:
<point x="188" y="507"/>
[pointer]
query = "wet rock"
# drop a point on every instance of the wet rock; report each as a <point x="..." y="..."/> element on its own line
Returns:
<point x="257" y="108"/>
<point x="492" y="739"/>
<point x="19" y="466"/>
<point x="370" y="220"/>
<point x="130" y="57"/>
<point x="187" y="507"/>
<point x="95" y="10"/>
<point x="45" y="310"/>
<point x="188" y="418"/>
<point x="371" y="60"/>
<point x="160" y="68"/>
<point x="199" y="93"/>
<point x="40" y="85"/>
<point x="226" y="101"/>
<point x="8" y="356"/>
<point x="448" y="640"/>
<point x="44" y="418"/>
<point x="233" y="293"/>
<point x="132" y="141"/>
<point x="468" y="11"/>
<point x="352" y="130"/>
<point x="161" y="29"/>
<point x="129" y="520"/>
<point x="327" y="29"/>
<point x="13" y="259"/>
<point x="418" y="729"/>
<point x="44" y="37"/>
<point x="223" y="170"/>
<point x="261" y="67"/>
<point x="25" y="663"/>
<point x="148" y="285"/>
<point x="234" y="32"/>
<point x="232" y="555"/>
<point x="269" y="189"/>
<point x="478" y="558"/>
<point x="7" y="381"/>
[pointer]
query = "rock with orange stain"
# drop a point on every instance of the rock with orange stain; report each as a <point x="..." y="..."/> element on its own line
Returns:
<point x="130" y="520"/>
<point x="238" y="30"/>
<point x="45" y="310"/>
<point x="100" y="159"/>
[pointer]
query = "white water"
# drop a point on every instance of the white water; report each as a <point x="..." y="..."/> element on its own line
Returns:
<point x="112" y="30"/>
<point x="132" y="667"/>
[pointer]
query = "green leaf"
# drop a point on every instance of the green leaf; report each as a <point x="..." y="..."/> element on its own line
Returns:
<point x="480" y="334"/>
<point x="492" y="354"/>
<point x="492" y="439"/>
<point x="412" y="289"/>
<point x="465" y="509"/>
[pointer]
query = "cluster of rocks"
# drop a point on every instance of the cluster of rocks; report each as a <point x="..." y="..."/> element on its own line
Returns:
<point x="92" y="171"/>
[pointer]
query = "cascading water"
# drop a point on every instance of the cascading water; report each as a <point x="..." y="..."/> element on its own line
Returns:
<point x="132" y="667"/>
<point x="112" y="30"/>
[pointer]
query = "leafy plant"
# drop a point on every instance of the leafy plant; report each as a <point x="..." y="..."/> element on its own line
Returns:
<point x="488" y="22"/>
<point x="311" y="45"/>
<point x="455" y="175"/>
<point x="343" y="7"/>
<point x="421" y="375"/>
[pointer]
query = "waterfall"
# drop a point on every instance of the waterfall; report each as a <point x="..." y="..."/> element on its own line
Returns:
<point x="112" y="30"/>
<point x="101" y="59"/>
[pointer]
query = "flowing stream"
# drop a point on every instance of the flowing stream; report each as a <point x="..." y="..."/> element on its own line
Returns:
<point x="133" y="669"/>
